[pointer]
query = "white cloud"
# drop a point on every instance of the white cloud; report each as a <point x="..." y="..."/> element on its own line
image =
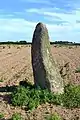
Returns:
<point x="12" y="29"/>
<point x="71" y="18"/>
<point x="17" y="29"/>
<point x="68" y="31"/>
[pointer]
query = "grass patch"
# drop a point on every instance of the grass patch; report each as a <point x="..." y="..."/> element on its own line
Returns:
<point x="1" y="115"/>
<point x="31" y="97"/>
<point x="54" y="116"/>
<point x="1" y="80"/>
<point x="71" y="96"/>
<point x="77" y="70"/>
<point x="16" y="116"/>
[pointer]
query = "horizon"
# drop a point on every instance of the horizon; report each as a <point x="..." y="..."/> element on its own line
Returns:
<point x="24" y="41"/>
<point x="18" y="19"/>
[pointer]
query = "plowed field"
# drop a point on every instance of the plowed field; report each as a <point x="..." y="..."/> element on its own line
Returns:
<point x="15" y="66"/>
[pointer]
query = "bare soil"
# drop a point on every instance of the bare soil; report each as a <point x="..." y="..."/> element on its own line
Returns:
<point x="15" y="66"/>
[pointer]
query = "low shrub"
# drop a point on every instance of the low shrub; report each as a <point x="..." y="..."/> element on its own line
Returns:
<point x="77" y="70"/>
<point x="71" y="96"/>
<point x="32" y="97"/>
<point x="1" y="80"/>
<point x="1" y="115"/>
<point x="54" y="116"/>
<point x="20" y="96"/>
<point x="16" y="116"/>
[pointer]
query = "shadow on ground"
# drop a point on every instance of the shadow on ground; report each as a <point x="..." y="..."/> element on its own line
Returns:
<point x="12" y="88"/>
<point x="5" y="92"/>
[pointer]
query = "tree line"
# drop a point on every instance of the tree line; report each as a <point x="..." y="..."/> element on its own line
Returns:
<point x="23" y="42"/>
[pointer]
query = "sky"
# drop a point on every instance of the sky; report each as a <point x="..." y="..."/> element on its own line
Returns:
<point x="18" y="19"/>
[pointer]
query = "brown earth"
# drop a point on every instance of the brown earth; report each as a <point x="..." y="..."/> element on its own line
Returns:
<point x="15" y="66"/>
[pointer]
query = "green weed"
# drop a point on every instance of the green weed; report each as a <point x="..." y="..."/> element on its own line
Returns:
<point x="1" y="115"/>
<point x="1" y="80"/>
<point x="32" y="97"/>
<point x="54" y="116"/>
<point x="16" y="116"/>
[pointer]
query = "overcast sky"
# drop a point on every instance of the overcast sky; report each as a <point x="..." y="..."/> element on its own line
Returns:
<point x="18" y="19"/>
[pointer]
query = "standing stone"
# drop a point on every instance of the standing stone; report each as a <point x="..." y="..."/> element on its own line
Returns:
<point x="46" y="74"/>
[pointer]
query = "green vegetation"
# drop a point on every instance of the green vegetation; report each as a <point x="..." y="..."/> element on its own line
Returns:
<point x="23" y="42"/>
<point x="1" y="80"/>
<point x="31" y="97"/>
<point x="71" y="96"/>
<point x="65" y="43"/>
<point x="54" y="116"/>
<point x="16" y="116"/>
<point x="77" y="70"/>
<point x="1" y="115"/>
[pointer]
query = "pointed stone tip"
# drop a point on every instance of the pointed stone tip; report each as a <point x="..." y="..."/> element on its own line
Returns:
<point x="40" y="33"/>
<point x="40" y="24"/>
